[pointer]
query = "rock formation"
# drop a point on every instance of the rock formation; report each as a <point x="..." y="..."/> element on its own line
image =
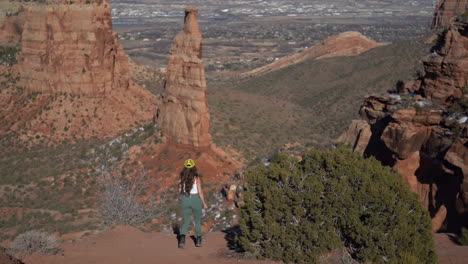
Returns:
<point x="447" y="11"/>
<point x="184" y="117"/>
<point x="446" y="68"/>
<point x="70" y="48"/>
<point x="11" y="21"/>
<point x="73" y="75"/>
<point x="11" y="29"/>
<point x="357" y="135"/>
<point x="423" y="131"/>
<point x="345" y="44"/>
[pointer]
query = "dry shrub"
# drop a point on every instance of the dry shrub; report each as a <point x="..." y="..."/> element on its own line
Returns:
<point x="34" y="241"/>
<point x="123" y="201"/>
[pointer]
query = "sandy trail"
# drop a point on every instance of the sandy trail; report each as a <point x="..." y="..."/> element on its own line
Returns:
<point x="448" y="252"/>
<point x="125" y="245"/>
<point x="129" y="245"/>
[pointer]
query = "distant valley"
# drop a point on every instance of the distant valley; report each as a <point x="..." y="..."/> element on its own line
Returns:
<point x="242" y="35"/>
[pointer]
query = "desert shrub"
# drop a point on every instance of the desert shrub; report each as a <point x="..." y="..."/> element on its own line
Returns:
<point x="461" y="105"/>
<point x="34" y="241"/>
<point x="463" y="17"/>
<point x="463" y="238"/>
<point x="295" y="211"/>
<point x="123" y="200"/>
<point x="8" y="55"/>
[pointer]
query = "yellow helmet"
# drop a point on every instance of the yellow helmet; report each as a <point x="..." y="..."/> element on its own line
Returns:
<point x="189" y="163"/>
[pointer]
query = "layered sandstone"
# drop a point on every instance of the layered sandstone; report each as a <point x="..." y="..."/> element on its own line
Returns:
<point x="70" y="48"/>
<point x="11" y="28"/>
<point x="423" y="132"/>
<point x="446" y="68"/>
<point x="345" y="44"/>
<point x="185" y="117"/>
<point x="447" y="11"/>
<point x="11" y="16"/>
<point x="73" y="76"/>
<point x="357" y="136"/>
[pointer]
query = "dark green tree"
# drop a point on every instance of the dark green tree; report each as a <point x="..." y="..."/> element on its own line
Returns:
<point x="294" y="211"/>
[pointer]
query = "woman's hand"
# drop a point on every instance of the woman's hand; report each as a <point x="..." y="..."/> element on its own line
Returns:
<point x="204" y="205"/>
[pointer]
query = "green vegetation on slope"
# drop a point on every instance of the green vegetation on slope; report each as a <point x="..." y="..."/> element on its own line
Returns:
<point x="295" y="211"/>
<point x="55" y="188"/>
<point x="8" y="55"/>
<point x="312" y="102"/>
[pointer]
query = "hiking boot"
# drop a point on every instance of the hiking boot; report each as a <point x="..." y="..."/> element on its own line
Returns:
<point x="198" y="241"/>
<point x="181" y="241"/>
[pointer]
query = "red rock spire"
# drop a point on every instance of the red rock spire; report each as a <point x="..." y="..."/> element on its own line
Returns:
<point x="185" y="118"/>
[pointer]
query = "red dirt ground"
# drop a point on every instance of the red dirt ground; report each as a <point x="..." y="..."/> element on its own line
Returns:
<point x="129" y="245"/>
<point x="448" y="252"/>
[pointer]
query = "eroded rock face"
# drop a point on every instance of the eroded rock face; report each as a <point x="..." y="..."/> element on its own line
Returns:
<point x="74" y="73"/>
<point x="447" y="11"/>
<point x="185" y="117"/>
<point x="70" y="48"/>
<point x="11" y="29"/>
<point x="446" y="69"/>
<point x="421" y="136"/>
<point x="357" y="136"/>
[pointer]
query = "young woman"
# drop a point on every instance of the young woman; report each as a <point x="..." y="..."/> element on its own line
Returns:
<point x="192" y="201"/>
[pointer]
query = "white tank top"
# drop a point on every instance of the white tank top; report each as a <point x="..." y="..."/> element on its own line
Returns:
<point x="194" y="189"/>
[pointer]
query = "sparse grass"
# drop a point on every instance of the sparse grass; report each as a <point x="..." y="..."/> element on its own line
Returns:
<point x="29" y="165"/>
<point x="51" y="184"/>
<point x="309" y="103"/>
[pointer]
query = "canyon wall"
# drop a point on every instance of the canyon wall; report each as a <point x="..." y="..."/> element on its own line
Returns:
<point x="70" y="48"/>
<point x="73" y="75"/>
<point x="422" y="132"/>
<point x="184" y="116"/>
<point x="447" y="11"/>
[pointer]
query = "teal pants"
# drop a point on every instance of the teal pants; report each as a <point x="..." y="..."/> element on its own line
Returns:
<point x="191" y="204"/>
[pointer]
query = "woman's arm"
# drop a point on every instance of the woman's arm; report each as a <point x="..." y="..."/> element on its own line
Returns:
<point x="200" y="192"/>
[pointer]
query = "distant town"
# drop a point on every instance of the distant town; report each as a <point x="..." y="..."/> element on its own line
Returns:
<point x="244" y="34"/>
<point x="258" y="8"/>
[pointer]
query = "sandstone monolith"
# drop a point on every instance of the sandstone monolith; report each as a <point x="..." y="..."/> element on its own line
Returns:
<point x="185" y="118"/>
<point x="71" y="48"/>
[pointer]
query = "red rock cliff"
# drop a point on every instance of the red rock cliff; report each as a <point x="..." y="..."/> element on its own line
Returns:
<point x="70" y="48"/>
<point x="423" y="131"/>
<point x="74" y="73"/>
<point x="446" y="68"/>
<point x="447" y="11"/>
<point x="184" y="117"/>
<point x="12" y="26"/>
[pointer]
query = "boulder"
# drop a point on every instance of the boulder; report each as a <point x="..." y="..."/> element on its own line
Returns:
<point x="357" y="135"/>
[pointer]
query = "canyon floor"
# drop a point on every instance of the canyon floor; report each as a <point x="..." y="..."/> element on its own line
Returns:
<point x="129" y="245"/>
